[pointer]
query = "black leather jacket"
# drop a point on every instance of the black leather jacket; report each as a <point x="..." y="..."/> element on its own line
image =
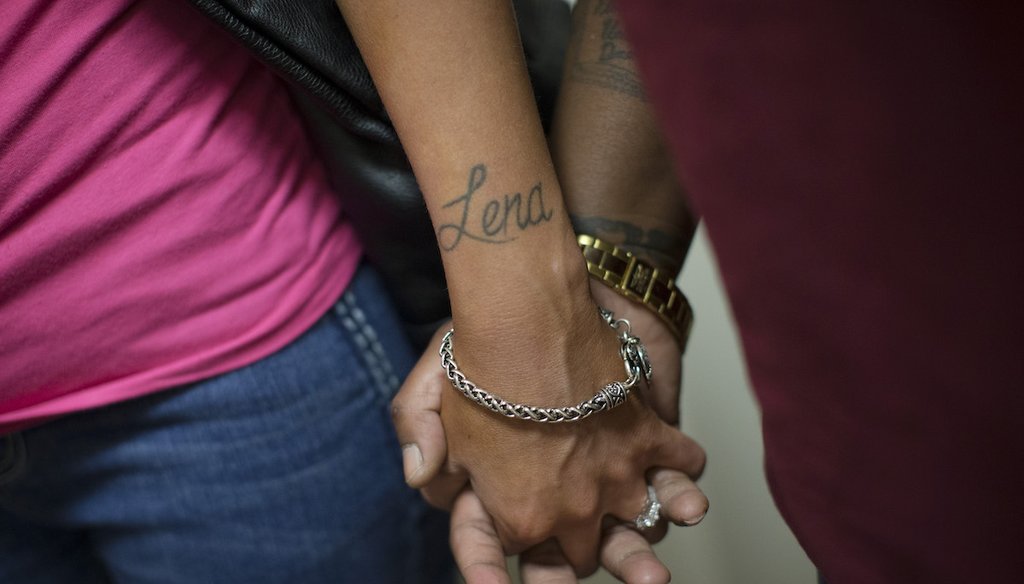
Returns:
<point x="308" y="43"/>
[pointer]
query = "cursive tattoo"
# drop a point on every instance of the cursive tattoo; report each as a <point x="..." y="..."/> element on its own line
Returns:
<point x="496" y="221"/>
<point x="608" y="62"/>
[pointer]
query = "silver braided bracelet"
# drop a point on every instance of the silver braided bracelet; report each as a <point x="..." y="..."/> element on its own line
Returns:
<point x="634" y="357"/>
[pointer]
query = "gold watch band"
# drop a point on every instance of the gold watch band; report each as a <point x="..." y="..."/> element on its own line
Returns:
<point x="639" y="281"/>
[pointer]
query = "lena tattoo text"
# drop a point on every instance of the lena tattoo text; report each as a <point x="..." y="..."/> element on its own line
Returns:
<point x="491" y="219"/>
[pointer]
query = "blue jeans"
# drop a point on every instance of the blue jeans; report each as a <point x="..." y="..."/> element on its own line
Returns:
<point x="287" y="470"/>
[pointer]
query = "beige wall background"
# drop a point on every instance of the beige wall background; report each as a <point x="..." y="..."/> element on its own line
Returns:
<point x="743" y="540"/>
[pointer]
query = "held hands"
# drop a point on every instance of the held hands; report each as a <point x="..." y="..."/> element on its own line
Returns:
<point x="551" y="491"/>
<point x="625" y="553"/>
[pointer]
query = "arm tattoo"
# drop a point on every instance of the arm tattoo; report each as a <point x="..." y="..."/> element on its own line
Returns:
<point x="611" y="64"/>
<point x="664" y="249"/>
<point x="498" y="220"/>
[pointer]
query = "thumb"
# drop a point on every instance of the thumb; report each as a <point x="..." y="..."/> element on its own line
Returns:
<point x="415" y="411"/>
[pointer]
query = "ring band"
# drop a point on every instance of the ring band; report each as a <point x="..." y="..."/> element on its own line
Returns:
<point x="651" y="513"/>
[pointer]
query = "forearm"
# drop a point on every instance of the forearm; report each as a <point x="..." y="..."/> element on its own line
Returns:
<point x="613" y="165"/>
<point x="452" y="76"/>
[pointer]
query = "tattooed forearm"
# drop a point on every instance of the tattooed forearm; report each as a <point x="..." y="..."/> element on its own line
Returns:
<point x="600" y="54"/>
<point x="665" y="249"/>
<point x="491" y="219"/>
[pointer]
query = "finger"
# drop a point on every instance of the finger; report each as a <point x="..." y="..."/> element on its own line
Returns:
<point x="445" y="487"/>
<point x="581" y="547"/>
<point x="665" y="396"/>
<point x="665" y="404"/>
<point x="652" y="534"/>
<point x="475" y="543"/>
<point x="627" y="514"/>
<point x="677" y="451"/>
<point x="546" y="564"/>
<point x="629" y="557"/>
<point x="627" y="508"/>
<point x="682" y="502"/>
<point x="415" y="411"/>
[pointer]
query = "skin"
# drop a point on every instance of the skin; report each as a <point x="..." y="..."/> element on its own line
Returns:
<point x="612" y="161"/>
<point x="601" y="116"/>
<point x="452" y="77"/>
<point x="475" y="542"/>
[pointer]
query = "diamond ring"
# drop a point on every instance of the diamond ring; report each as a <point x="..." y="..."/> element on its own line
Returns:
<point x="651" y="513"/>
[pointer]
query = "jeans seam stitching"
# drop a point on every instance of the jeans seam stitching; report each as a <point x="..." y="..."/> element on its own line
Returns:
<point x="368" y="343"/>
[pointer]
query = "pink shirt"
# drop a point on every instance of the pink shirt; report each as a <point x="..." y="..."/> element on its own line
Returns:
<point x="162" y="217"/>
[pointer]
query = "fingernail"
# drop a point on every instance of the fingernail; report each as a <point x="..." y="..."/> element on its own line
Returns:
<point x="412" y="460"/>
<point x="692" y="522"/>
<point x="696" y="520"/>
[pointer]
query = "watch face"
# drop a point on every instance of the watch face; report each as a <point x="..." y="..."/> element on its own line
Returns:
<point x="640" y="280"/>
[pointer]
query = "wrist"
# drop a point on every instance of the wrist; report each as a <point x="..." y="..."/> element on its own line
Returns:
<point x="543" y="364"/>
<point x="662" y="245"/>
<point x="639" y="281"/>
<point x="542" y="341"/>
<point x="543" y="291"/>
<point x="543" y="278"/>
<point x="636" y="364"/>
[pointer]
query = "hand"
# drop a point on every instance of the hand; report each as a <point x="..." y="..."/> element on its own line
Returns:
<point x="479" y="551"/>
<point x="557" y="480"/>
<point x="625" y="553"/>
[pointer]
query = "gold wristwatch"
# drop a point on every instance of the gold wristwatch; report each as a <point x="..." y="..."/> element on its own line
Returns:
<point x="639" y="281"/>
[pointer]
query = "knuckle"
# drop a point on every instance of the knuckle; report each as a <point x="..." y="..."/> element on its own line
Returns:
<point x="527" y="533"/>
<point x="397" y="408"/>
